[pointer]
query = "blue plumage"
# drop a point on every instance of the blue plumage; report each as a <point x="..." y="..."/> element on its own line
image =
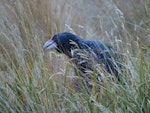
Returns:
<point x="66" y="43"/>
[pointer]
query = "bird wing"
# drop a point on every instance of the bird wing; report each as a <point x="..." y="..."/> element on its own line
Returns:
<point x="99" y="49"/>
<point x="103" y="56"/>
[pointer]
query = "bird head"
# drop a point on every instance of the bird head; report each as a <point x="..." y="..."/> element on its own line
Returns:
<point x="63" y="43"/>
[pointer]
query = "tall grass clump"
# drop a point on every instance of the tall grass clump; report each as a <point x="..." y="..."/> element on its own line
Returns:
<point x="35" y="81"/>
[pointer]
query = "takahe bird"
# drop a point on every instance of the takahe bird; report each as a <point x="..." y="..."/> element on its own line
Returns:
<point x="85" y="53"/>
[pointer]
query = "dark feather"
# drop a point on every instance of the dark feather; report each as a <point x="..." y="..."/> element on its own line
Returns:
<point x="86" y="54"/>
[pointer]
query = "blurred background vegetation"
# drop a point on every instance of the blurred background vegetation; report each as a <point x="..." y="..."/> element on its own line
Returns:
<point x="34" y="81"/>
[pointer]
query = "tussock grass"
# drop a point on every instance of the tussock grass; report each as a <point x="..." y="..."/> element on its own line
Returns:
<point x="34" y="81"/>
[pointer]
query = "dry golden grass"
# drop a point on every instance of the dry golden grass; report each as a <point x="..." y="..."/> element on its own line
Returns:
<point x="34" y="81"/>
